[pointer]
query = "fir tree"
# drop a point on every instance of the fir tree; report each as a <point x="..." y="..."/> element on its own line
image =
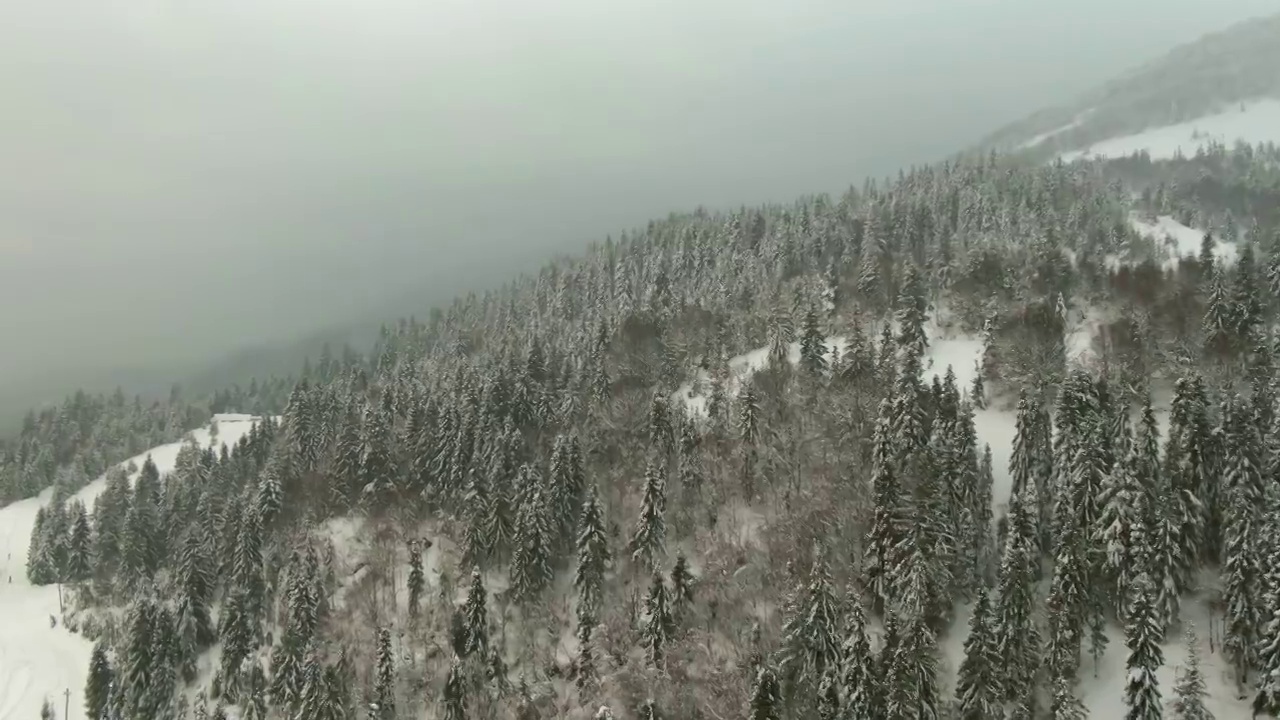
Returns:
<point x="385" y="677"/>
<point x="813" y="347"/>
<point x="1142" y="637"/>
<point x="857" y="680"/>
<point x="1190" y="689"/>
<point x="881" y="561"/>
<point x="811" y="634"/>
<point x="455" y="693"/>
<point x="592" y="554"/>
<point x="766" y="697"/>
<point x="978" y="688"/>
<point x="649" y="537"/>
<point x="659" y="625"/>
<point x="531" y="570"/>
<point x="476" y="616"/>
<point x="1017" y="637"/>
<point x="98" y="685"/>
<point x="681" y="587"/>
<point x="79" y="548"/>
<point x="417" y="581"/>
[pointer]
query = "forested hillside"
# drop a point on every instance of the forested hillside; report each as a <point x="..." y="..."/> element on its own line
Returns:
<point x="706" y="470"/>
<point x="1220" y="71"/>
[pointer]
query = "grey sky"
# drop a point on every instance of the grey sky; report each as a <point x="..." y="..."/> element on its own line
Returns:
<point x="184" y="178"/>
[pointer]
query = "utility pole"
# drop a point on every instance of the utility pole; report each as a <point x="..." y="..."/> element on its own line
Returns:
<point x="66" y="704"/>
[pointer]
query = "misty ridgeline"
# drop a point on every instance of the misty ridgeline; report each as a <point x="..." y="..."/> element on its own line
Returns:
<point x="706" y="471"/>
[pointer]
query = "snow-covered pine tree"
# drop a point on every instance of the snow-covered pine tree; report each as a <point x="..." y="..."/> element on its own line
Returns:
<point x="1017" y="637"/>
<point x="978" y="687"/>
<point x="649" y="538"/>
<point x="531" y="570"/>
<point x="1242" y="569"/>
<point x="858" y="691"/>
<point x="813" y="347"/>
<point x="97" y="686"/>
<point x="455" y="693"/>
<point x="1190" y="688"/>
<point x="681" y="587"/>
<point x="1064" y="704"/>
<point x="1118" y="523"/>
<point x="659" y="625"/>
<point x="384" y="696"/>
<point x="593" y="552"/>
<point x="766" y="697"/>
<point x="79" y="546"/>
<point x="417" y="581"/>
<point x="270" y="495"/>
<point x="811" y="634"/>
<point x="476" y="616"/>
<point x="881" y="561"/>
<point x="1142" y="638"/>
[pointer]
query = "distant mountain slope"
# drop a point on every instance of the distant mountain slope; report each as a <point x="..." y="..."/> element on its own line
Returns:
<point x="1224" y="87"/>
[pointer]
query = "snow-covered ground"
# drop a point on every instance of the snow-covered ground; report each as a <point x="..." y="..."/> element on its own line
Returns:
<point x="1056" y="131"/>
<point x="1181" y="241"/>
<point x="1254" y="122"/>
<point x="39" y="662"/>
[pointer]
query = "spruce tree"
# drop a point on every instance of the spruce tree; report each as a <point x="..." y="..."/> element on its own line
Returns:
<point x="79" y="548"/>
<point x="1142" y="637"/>
<point x="417" y="581"/>
<point x="384" y="677"/>
<point x="531" y="570"/>
<point x="766" y="697"/>
<point x="455" y="693"/>
<point x="857" y="679"/>
<point x="813" y="347"/>
<point x="978" y="688"/>
<point x="681" y="587"/>
<point x="659" y="625"/>
<point x="593" y="551"/>
<point x="811" y="642"/>
<point x="882" y="561"/>
<point x="97" y="687"/>
<point x="1017" y="637"/>
<point x="476" y="616"/>
<point x="649" y="537"/>
<point x="1190" y="688"/>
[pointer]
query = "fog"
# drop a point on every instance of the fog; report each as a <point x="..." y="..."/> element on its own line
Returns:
<point x="185" y="179"/>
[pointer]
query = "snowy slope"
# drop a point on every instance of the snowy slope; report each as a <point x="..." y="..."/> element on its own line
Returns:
<point x="1181" y="241"/>
<point x="37" y="661"/>
<point x="1255" y="122"/>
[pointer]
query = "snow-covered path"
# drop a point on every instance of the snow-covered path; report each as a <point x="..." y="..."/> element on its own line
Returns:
<point x="38" y="661"/>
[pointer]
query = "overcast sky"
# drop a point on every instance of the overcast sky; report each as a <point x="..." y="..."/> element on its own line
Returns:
<point x="185" y="177"/>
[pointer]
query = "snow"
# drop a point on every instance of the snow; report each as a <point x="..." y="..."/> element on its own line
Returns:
<point x="1181" y="240"/>
<point x="1055" y="132"/>
<point x="1254" y="122"/>
<point x="38" y="662"/>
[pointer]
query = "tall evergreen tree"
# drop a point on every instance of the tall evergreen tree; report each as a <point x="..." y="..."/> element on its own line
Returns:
<point x="857" y="680"/>
<point x="978" y="688"/>
<point x="1190" y="689"/>
<point x="98" y="685"/>
<point x="649" y="538"/>
<point x="766" y="697"/>
<point x="1142" y="637"/>
<point x="813" y="347"/>
<point x="384" y="677"/>
<point x="811" y="634"/>
<point x="659" y="625"/>
<point x="476" y="616"/>
<point x="417" y="581"/>
<point x="882" y="559"/>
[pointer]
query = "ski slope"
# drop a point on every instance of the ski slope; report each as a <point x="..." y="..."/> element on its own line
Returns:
<point x="38" y="661"/>
<point x="1256" y="122"/>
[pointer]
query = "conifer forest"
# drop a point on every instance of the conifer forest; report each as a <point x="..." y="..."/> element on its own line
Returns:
<point x="956" y="445"/>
